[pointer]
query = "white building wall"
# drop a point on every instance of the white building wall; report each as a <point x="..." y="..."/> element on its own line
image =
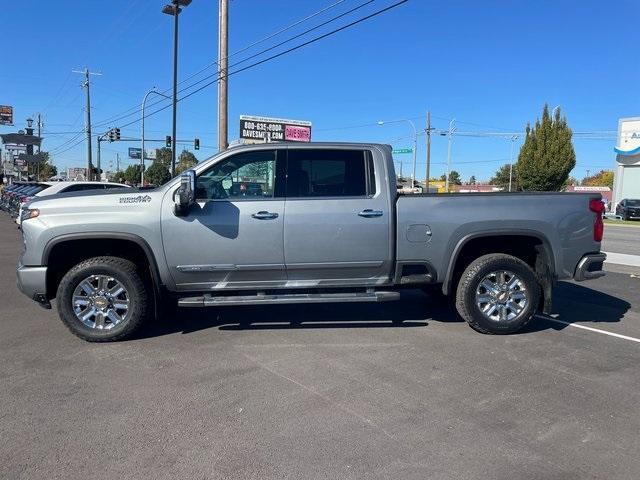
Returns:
<point x="627" y="172"/>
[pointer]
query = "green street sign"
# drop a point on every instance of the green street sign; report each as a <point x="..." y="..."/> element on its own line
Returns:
<point x="402" y="150"/>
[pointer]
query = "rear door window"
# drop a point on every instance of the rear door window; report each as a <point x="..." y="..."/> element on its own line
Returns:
<point x="327" y="173"/>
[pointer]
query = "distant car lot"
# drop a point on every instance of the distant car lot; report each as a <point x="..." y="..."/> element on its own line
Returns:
<point x="392" y="390"/>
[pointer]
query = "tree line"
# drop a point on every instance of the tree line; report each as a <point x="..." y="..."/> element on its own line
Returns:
<point x="159" y="172"/>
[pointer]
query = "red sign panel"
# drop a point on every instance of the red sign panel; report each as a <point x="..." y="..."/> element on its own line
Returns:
<point x="296" y="133"/>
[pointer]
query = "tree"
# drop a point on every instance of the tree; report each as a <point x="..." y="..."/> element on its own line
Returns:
<point x="472" y="180"/>
<point x="604" y="178"/>
<point x="454" y="178"/>
<point x="186" y="161"/>
<point x="132" y="174"/>
<point x="44" y="170"/>
<point x="119" y="177"/>
<point x="501" y="177"/>
<point x="163" y="155"/>
<point x="547" y="155"/>
<point x="157" y="174"/>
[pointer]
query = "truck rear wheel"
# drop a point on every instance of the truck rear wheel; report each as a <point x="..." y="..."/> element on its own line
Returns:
<point x="497" y="294"/>
<point x="103" y="299"/>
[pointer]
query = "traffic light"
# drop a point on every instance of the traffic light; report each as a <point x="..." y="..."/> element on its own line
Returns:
<point x="113" y="134"/>
<point x="167" y="141"/>
<point x="196" y="144"/>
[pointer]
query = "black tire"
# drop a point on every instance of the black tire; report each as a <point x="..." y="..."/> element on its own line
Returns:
<point x="127" y="274"/>
<point x="468" y="286"/>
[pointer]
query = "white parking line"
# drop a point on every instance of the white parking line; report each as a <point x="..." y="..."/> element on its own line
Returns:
<point x="591" y="329"/>
<point x="623" y="259"/>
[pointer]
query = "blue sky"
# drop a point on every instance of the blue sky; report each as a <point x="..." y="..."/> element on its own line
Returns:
<point x="491" y="65"/>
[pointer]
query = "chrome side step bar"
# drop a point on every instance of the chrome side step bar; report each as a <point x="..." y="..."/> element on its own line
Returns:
<point x="209" y="300"/>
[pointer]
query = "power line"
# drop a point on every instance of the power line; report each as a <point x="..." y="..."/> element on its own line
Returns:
<point x="215" y="63"/>
<point x="249" y="58"/>
<point x="277" y="55"/>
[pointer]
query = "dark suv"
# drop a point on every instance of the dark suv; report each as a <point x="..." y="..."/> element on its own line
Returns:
<point x="628" y="208"/>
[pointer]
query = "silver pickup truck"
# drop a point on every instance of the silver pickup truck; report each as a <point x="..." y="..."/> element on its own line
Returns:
<point x="301" y="223"/>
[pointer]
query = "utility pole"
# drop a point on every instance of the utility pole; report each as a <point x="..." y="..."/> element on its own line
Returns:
<point x="117" y="162"/>
<point x="426" y="182"/>
<point x="40" y="125"/>
<point x="223" y="62"/>
<point x="450" y="135"/>
<point x="86" y="74"/>
<point x="513" y="139"/>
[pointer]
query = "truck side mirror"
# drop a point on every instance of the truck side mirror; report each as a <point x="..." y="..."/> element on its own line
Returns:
<point x="186" y="194"/>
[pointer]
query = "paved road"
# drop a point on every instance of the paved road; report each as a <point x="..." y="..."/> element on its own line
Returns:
<point x="621" y="239"/>
<point x="397" y="390"/>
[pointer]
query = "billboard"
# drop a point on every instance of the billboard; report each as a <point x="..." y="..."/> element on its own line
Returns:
<point x="264" y="129"/>
<point x="135" y="153"/>
<point x="6" y="115"/>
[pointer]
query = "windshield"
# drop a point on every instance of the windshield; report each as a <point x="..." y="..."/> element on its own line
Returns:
<point x="633" y="203"/>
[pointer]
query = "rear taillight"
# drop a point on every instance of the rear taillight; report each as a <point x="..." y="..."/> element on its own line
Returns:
<point x="596" y="206"/>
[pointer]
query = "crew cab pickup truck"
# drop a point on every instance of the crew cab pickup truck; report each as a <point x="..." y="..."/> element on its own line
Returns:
<point x="301" y="223"/>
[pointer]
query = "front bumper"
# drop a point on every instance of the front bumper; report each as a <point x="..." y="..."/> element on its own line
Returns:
<point x="32" y="281"/>
<point x="590" y="267"/>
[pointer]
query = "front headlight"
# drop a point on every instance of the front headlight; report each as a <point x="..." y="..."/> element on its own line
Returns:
<point x="28" y="213"/>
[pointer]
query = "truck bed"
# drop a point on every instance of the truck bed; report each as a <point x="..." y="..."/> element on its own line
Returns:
<point x="433" y="226"/>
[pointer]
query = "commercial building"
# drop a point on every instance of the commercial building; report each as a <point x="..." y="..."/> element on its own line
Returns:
<point x="626" y="182"/>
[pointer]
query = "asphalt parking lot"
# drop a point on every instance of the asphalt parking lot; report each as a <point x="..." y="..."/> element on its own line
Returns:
<point x="395" y="390"/>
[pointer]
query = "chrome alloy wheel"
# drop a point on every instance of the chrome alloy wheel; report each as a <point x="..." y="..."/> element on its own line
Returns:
<point x="501" y="296"/>
<point x="100" y="302"/>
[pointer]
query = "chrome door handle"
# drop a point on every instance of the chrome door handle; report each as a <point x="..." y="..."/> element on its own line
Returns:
<point x="368" y="213"/>
<point x="263" y="215"/>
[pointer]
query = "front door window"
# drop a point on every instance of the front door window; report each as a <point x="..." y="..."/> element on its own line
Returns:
<point x="248" y="175"/>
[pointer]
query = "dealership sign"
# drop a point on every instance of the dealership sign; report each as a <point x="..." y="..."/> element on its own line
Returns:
<point x="6" y="115"/>
<point x="264" y="129"/>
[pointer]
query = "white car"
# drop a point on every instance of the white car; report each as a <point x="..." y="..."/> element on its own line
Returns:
<point x="64" y="187"/>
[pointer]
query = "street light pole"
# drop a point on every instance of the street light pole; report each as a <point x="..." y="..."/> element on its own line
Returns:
<point x="450" y="135"/>
<point x="415" y="145"/>
<point x="144" y="101"/>
<point x="174" y="10"/>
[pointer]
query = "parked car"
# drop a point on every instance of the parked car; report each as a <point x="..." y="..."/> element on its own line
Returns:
<point x="5" y="194"/>
<point x="54" y="188"/>
<point x="328" y="226"/>
<point x="23" y="194"/>
<point x="628" y="209"/>
<point x="8" y="191"/>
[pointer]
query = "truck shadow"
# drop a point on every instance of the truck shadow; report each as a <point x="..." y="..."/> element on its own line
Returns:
<point x="572" y="303"/>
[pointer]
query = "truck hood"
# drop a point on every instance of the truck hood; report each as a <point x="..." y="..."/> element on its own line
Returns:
<point x="96" y="202"/>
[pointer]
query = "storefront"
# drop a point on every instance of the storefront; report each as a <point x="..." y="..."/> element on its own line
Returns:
<point x="626" y="182"/>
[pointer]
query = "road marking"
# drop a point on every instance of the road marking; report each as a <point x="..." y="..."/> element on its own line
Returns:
<point x="623" y="259"/>
<point x="591" y="329"/>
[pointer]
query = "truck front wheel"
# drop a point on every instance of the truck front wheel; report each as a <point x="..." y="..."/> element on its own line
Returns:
<point x="497" y="294"/>
<point x="103" y="299"/>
